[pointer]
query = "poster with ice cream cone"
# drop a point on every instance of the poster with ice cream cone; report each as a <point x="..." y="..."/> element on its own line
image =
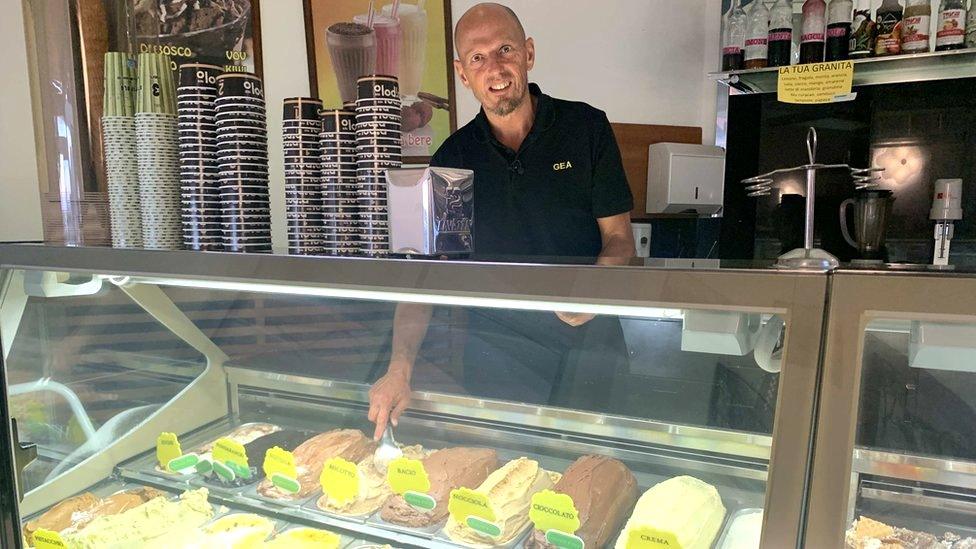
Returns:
<point x="409" y="39"/>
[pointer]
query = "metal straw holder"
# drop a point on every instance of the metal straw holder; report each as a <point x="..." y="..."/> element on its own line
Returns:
<point x="809" y="257"/>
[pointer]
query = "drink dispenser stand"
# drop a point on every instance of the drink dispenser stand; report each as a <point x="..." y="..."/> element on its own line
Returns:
<point x="809" y="257"/>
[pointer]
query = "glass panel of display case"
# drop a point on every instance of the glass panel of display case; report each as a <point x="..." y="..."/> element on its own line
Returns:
<point x="915" y="454"/>
<point x="84" y="366"/>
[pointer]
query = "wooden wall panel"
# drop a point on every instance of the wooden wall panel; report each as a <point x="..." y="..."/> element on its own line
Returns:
<point x="633" y="140"/>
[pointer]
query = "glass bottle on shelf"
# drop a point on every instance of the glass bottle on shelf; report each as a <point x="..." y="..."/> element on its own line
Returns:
<point x="838" y="46"/>
<point x="757" y="36"/>
<point x="813" y="32"/>
<point x="733" y="45"/>
<point x="915" y="26"/>
<point x="971" y="27"/>
<point x="950" y="34"/>
<point x="888" y="19"/>
<point x="863" y="31"/>
<point x="780" y="33"/>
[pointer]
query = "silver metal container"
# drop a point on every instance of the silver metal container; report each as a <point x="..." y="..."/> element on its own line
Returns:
<point x="431" y="211"/>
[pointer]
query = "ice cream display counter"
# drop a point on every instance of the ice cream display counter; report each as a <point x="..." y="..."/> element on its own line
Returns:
<point x="895" y="458"/>
<point x="182" y="399"/>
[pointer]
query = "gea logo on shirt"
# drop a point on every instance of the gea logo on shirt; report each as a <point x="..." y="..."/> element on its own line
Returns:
<point x="562" y="166"/>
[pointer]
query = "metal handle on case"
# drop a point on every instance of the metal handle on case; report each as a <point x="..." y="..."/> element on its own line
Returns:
<point x="843" y="221"/>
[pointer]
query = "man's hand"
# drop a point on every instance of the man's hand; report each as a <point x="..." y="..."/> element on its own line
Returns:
<point x="388" y="398"/>
<point x="575" y="319"/>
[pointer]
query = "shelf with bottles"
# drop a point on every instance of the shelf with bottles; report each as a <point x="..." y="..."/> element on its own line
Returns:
<point x="919" y="41"/>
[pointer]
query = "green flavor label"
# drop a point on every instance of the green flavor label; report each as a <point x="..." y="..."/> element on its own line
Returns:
<point x="224" y="472"/>
<point x="182" y="463"/>
<point x="564" y="540"/>
<point x="419" y="501"/>
<point x="286" y="484"/>
<point x="482" y="526"/>
<point x="204" y="467"/>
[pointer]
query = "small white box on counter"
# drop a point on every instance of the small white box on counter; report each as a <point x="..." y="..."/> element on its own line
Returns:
<point x="431" y="211"/>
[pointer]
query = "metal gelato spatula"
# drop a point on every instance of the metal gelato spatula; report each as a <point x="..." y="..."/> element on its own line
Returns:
<point x="387" y="451"/>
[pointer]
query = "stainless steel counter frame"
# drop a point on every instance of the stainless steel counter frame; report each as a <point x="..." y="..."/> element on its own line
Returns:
<point x="856" y="300"/>
<point x="799" y="297"/>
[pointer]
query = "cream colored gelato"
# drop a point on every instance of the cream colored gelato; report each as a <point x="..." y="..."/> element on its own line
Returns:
<point x="685" y="507"/>
<point x="154" y="519"/>
<point x="311" y="455"/>
<point x="744" y="532"/>
<point x="509" y="491"/>
<point x="373" y="488"/>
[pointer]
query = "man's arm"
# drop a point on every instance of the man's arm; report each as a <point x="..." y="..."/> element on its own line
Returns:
<point x="618" y="248"/>
<point x="618" y="239"/>
<point x="390" y="395"/>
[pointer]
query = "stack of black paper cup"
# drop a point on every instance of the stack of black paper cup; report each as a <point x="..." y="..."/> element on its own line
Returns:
<point x="378" y="149"/>
<point x="340" y="199"/>
<point x="196" y="98"/>
<point x="301" y="127"/>
<point x="242" y="159"/>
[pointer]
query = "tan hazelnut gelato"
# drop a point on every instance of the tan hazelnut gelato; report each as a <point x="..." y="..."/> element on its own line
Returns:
<point x="509" y="491"/>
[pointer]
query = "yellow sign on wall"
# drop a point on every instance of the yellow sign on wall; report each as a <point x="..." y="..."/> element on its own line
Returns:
<point x="816" y="83"/>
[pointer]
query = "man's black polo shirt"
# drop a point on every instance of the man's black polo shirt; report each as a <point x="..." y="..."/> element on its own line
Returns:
<point x="545" y="198"/>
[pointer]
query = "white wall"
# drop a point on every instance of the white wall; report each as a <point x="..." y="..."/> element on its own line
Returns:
<point x="20" y="199"/>
<point x="641" y="61"/>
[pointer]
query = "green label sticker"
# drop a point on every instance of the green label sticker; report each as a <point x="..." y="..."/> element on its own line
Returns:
<point x="242" y="471"/>
<point x="651" y="538"/>
<point x="286" y="484"/>
<point x="482" y="526"/>
<point x="167" y="448"/>
<point x="553" y="511"/>
<point x="204" y="467"/>
<point x="46" y="539"/>
<point x="405" y="474"/>
<point x="419" y="501"/>
<point x="564" y="540"/>
<point x="224" y="472"/>
<point x="182" y="463"/>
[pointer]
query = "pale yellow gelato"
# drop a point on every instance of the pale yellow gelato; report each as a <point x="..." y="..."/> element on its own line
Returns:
<point x="154" y="519"/>
<point x="300" y="538"/>
<point x="373" y="488"/>
<point x="509" y="491"/>
<point x="684" y="507"/>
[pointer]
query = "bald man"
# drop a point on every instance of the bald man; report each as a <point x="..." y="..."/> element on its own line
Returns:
<point x="549" y="183"/>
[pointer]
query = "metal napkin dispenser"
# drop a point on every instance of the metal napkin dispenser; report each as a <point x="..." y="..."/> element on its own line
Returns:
<point x="431" y="211"/>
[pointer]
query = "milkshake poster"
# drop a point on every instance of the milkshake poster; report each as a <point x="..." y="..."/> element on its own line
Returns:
<point x="413" y="45"/>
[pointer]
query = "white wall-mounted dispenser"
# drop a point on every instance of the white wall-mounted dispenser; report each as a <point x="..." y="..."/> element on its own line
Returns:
<point x="685" y="178"/>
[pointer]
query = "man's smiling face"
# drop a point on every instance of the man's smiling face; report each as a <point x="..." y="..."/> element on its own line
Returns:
<point x="494" y="58"/>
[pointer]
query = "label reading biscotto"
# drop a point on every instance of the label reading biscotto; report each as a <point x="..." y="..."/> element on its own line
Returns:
<point x="167" y="449"/>
<point x="472" y="508"/>
<point x="340" y="480"/>
<point x="46" y="539"/>
<point x="651" y="538"/>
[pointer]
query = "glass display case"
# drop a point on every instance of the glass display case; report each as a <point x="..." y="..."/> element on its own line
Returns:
<point x="128" y="372"/>
<point x="896" y="433"/>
